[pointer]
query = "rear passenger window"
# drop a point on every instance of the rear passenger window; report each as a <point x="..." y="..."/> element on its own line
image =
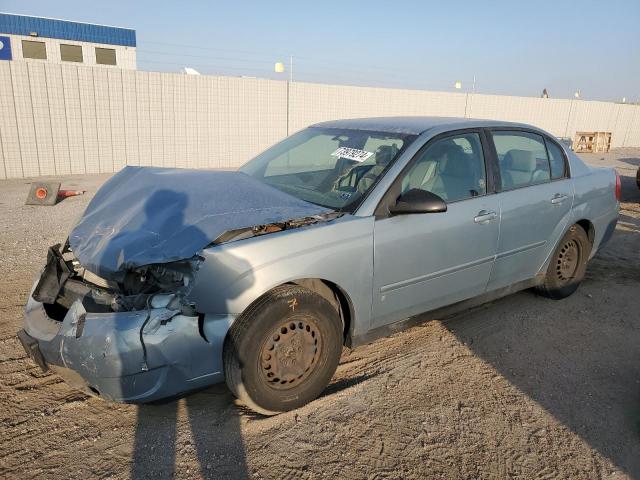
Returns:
<point x="522" y="157"/>
<point x="556" y="159"/>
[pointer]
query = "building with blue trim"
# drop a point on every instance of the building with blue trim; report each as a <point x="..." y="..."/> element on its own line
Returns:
<point x="26" y="38"/>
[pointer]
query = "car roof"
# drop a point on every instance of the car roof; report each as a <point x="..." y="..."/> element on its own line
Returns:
<point x="414" y="125"/>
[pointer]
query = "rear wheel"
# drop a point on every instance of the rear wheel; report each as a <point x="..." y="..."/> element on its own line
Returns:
<point x="568" y="265"/>
<point x="281" y="353"/>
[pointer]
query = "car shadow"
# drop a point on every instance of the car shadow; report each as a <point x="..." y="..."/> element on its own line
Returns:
<point x="630" y="189"/>
<point x="210" y="432"/>
<point x="633" y="161"/>
<point x="582" y="369"/>
<point x="204" y="424"/>
<point x="345" y="383"/>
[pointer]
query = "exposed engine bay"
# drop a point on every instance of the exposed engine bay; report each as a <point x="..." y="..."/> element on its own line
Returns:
<point x="64" y="281"/>
<point x="258" y="230"/>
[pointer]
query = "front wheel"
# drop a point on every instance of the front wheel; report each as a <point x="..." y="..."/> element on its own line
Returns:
<point x="568" y="265"/>
<point x="281" y="353"/>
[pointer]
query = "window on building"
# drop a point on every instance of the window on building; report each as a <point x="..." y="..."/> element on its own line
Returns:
<point x="31" y="49"/>
<point x="71" y="53"/>
<point x="105" y="56"/>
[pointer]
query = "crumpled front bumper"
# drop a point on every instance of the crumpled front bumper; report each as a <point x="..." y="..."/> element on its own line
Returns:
<point x="135" y="357"/>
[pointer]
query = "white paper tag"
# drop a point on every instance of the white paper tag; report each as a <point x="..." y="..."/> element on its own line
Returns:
<point x="352" y="154"/>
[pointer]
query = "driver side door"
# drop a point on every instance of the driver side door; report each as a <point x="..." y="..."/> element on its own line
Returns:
<point x="428" y="260"/>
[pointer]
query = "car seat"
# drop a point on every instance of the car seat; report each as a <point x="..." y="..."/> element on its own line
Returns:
<point x="517" y="169"/>
<point x="454" y="178"/>
<point x="384" y="155"/>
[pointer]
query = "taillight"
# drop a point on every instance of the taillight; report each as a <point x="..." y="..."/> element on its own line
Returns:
<point x="618" y="187"/>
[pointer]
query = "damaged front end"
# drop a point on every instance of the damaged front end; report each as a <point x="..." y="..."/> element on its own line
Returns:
<point x="111" y="311"/>
<point x="135" y="338"/>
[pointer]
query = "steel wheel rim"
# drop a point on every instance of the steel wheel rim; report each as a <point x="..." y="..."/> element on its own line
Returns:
<point x="290" y="353"/>
<point x="568" y="261"/>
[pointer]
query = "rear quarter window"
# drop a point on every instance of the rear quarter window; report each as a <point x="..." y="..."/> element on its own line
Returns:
<point x="557" y="161"/>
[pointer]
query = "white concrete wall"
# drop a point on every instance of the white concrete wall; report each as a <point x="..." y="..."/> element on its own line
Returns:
<point x="60" y="119"/>
<point x="125" y="56"/>
<point x="64" y="118"/>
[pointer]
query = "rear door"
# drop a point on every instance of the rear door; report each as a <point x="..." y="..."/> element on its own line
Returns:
<point x="535" y="202"/>
<point x="425" y="261"/>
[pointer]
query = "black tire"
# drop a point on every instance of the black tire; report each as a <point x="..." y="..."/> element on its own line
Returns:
<point x="568" y="265"/>
<point x="290" y="332"/>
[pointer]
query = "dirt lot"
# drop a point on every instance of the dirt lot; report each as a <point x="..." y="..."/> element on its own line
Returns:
<point x="524" y="387"/>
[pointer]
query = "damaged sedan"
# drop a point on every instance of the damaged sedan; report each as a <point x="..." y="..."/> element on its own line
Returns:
<point x="175" y="279"/>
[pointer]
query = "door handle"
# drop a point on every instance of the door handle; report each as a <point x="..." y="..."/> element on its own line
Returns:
<point x="558" y="198"/>
<point x="485" y="216"/>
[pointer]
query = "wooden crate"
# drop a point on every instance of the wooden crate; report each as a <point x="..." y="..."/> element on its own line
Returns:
<point x="592" y="142"/>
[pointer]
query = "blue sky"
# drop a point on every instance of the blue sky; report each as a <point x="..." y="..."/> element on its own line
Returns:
<point x="511" y="47"/>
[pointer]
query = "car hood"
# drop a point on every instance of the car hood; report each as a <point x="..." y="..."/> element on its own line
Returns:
<point x="147" y="215"/>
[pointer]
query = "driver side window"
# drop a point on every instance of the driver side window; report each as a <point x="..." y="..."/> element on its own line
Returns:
<point x="452" y="168"/>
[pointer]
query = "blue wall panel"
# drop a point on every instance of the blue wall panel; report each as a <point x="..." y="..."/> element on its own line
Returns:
<point x="62" y="29"/>
<point x="5" y="48"/>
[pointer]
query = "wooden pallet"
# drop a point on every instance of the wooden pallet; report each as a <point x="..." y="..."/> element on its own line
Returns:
<point x="592" y="142"/>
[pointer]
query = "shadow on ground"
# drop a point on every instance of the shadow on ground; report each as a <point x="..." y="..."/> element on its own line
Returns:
<point x="630" y="190"/>
<point x="583" y="370"/>
<point x="213" y="436"/>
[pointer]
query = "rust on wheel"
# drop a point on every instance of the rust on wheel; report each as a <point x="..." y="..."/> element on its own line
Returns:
<point x="290" y="353"/>
<point x="568" y="261"/>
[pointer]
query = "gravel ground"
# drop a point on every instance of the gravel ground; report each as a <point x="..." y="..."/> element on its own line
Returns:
<point x="523" y="387"/>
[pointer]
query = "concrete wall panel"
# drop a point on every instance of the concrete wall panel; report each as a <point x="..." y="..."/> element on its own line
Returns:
<point x="73" y="118"/>
<point x="58" y="119"/>
<point x="9" y="133"/>
<point x="116" y="112"/>
<point x="103" y="119"/>
<point x="130" y="108"/>
<point x="24" y="119"/>
<point x="86" y="89"/>
<point x="41" y="118"/>
<point x="143" y="117"/>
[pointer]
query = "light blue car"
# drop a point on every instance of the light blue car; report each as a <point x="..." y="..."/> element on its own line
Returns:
<point x="174" y="280"/>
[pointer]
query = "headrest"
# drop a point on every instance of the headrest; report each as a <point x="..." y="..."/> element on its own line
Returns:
<point x="445" y="147"/>
<point x="386" y="153"/>
<point x="521" y="160"/>
<point x="456" y="165"/>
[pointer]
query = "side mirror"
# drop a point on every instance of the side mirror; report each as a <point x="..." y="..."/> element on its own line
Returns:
<point x="418" y="201"/>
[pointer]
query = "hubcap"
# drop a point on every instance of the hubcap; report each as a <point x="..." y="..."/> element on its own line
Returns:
<point x="568" y="260"/>
<point x="290" y="353"/>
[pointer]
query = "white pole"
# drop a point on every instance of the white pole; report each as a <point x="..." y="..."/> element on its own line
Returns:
<point x="291" y="68"/>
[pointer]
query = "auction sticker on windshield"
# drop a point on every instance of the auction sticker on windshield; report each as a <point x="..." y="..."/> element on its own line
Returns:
<point x="352" y="154"/>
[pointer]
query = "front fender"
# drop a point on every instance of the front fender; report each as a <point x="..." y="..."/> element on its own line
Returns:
<point x="235" y="274"/>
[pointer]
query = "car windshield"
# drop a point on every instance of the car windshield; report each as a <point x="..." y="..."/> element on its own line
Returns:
<point x="331" y="167"/>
